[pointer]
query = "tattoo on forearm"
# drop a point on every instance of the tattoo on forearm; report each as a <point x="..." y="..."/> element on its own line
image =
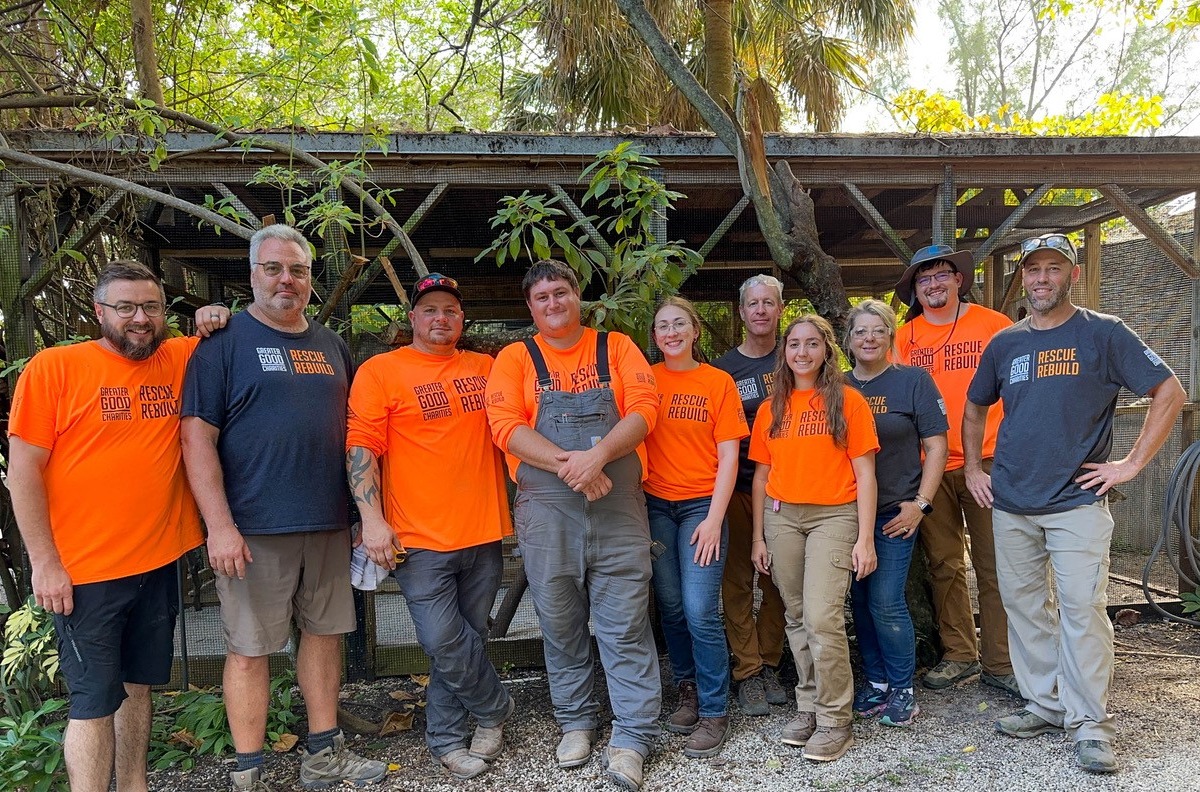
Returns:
<point x="363" y="473"/>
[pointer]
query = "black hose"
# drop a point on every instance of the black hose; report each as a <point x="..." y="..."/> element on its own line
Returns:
<point x="1177" y="517"/>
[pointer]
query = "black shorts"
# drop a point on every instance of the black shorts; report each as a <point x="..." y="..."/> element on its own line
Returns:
<point x="119" y="631"/>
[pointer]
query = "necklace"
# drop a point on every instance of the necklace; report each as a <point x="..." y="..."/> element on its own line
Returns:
<point x="865" y="380"/>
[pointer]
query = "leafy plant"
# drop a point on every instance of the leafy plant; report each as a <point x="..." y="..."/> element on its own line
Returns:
<point x="31" y="756"/>
<point x="1191" y="601"/>
<point x="634" y="269"/>
<point x="31" y="733"/>
<point x="29" y="665"/>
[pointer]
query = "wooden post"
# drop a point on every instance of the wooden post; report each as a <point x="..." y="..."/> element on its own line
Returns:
<point x="1091" y="266"/>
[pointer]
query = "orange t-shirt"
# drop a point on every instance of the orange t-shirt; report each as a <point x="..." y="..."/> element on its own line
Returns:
<point x="806" y="465"/>
<point x="118" y="497"/>
<point x="952" y="358"/>
<point x="697" y="409"/>
<point x="423" y="416"/>
<point x="512" y="392"/>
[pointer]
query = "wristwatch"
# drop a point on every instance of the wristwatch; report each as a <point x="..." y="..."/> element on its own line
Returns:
<point x="925" y="506"/>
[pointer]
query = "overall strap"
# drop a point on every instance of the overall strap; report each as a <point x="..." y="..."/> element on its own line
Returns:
<point x="602" y="372"/>
<point x="545" y="383"/>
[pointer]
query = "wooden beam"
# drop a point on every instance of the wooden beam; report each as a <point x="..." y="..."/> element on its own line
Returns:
<point x="724" y="226"/>
<point x="578" y="216"/>
<point x="1091" y="266"/>
<point x="372" y="272"/>
<point x="893" y="240"/>
<point x="1010" y="293"/>
<point x="85" y="232"/>
<point x="1018" y="214"/>
<point x="250" y="217"/>
<point x="1194" y="379"/>
<point x="993" y="280"/>
<point x="1152" y="230"/>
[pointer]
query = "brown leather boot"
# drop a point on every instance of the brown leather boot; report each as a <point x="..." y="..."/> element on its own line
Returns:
<point x="708" y="738"/>
<point x="687" y="712"/>
<point x="828" y="743"/>
<point x="799" y="729"/>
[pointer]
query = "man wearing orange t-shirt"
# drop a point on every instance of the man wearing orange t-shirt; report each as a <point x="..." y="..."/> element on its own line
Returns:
<point x="417" y="409"/>
<point x="946" y="336"/>
<point x="570" y="407"/>
<point x="104" y="557"/>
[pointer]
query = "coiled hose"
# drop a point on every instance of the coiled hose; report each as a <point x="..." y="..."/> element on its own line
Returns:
<point x="1177" y="519"/>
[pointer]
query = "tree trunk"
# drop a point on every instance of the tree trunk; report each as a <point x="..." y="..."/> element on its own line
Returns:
<point x="145" y="58"/>
<point x="718" y="51"/>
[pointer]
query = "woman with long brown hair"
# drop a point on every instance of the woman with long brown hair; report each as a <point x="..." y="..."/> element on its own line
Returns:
<point x="814" y="518"/>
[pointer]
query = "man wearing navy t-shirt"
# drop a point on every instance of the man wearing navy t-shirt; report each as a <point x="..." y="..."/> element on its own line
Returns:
<point x="1059" y="372"/>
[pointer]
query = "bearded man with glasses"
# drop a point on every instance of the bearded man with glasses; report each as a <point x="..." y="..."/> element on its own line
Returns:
<point x="264" y="435"/>
<point x="946" y="336"/>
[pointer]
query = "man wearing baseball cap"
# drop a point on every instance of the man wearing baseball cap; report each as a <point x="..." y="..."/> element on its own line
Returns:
<point x="1059" y="371"/>
<point x="414" y="410"/>
<point x="946" y="336"/>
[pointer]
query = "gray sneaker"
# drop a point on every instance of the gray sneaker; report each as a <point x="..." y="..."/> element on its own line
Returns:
<point x="752" y="696"/>
<point x="1095" y="756"/>
<point x="799" y="729"/>
<point x="1005" y="682"/>
<point x="947" y="672"/>
<point x="828" y="743"/>
<point x="330" y="767"/>
<point x="1024" y="724"/>
<point x="775" y="692"/>
<point x="248" y="781"/>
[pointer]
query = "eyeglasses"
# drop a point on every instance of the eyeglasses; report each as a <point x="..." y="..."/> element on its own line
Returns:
<point x="678" y="326"/>
<point x="1058" y="242"/>
<point x="127" y="310"/>
<point x="273" y="269"/>
<point x="940" y="277"/>
<point x="874" y="332"/>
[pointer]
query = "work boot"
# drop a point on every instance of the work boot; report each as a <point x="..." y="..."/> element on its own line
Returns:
<point x="799" y="729"/>
<point x="462" y="764"/>
<point x="1006" y="682"/>
<point x="624" y="767"/>
<point x="708" y="738"/>
<point x="687" y="712"/>
<point x="488" y="741"/>
<point x="1095" y="756"/>
<point x="775" y="692"/>
<point x="248" y="781"/>
<point x="828" y="743"/>
<point x="575" y="748"/>
<point x="752" y="696"/>
<point x="1024" y="724"/>
<point x="331" y="766"/>
<point x="947" y="672"/>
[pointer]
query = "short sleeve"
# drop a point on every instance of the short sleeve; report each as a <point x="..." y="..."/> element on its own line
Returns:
<point x="861" y="437"/>
<point x="984" y="389"/>
<point x="639" y="394"/>
<point x="367" y="411"/>
<point x="505" y="394"/>
<point x="731" y="419"/>
<point x="32" y="414"/>
<point x="760" y="450"/>
<point x="929" y="408"/>
<point x="1132" y="364"/>
<point x="204" y="386"/>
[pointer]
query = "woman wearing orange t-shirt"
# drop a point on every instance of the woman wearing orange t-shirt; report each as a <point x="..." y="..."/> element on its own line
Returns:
<point x="814" y="520"/>
<point x="692" y="456"/>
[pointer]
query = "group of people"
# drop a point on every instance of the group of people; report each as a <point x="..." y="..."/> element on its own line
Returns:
<point x="768" y="468"/>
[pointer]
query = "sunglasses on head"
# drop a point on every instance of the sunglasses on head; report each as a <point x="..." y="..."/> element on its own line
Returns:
<point x="436" y="280"/>
<point x="1059" y="242"/>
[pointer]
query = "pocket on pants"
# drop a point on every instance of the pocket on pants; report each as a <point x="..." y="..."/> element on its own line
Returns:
<point x="842" y="562"/>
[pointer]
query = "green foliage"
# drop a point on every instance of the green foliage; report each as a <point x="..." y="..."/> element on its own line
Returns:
<point x="29" y="665"/>
<point x="194" y="723"/>
<point x="635" y="271"/>
<point x="1191" y="601"/>
<point x="31" y="757"/>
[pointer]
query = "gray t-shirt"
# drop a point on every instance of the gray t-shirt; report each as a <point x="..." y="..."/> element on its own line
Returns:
<point x="279" y="400"/>
<point x="1059" y="388"/>
<point x="907" y="407"/>
<point x="753" y="379"/>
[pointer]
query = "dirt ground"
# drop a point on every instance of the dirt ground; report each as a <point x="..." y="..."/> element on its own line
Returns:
<point x="1156" y="697"/>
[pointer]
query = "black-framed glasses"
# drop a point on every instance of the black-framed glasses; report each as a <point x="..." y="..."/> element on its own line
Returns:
<point x="127" y="310"/>
<point x="1059" y="242"/>
<point x="273" y="269"/>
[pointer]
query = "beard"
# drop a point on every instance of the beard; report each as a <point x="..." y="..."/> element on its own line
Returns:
<point x="128" y="347"/>
<point x="1047" y="304"/>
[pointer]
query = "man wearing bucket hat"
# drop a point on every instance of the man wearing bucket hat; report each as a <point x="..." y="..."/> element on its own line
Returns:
<point x="1059" y="371"/>
<point x="946" y="336"/>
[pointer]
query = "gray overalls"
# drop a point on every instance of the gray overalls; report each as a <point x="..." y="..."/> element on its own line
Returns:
<point x="592" y="559"/>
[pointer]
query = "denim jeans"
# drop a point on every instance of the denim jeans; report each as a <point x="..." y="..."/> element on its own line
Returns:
<point x="450" y="595"/>
<point x="881" y="618"/>
<point x="689" y="597"/>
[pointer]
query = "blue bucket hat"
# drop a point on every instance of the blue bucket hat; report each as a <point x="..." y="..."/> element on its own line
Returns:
<point x="962" y="261"/>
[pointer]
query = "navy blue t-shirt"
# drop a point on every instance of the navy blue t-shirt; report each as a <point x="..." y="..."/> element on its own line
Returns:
<point x="279" y="400"/>
<point x="907" y="407"/>
<point x="1059" y="388"/>
<point x="753" y="379"/>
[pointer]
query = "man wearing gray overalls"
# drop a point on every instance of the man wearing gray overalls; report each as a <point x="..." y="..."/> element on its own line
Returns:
<point x="570" y="408"/>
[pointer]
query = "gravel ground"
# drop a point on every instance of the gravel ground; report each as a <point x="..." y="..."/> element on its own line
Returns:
<point x="952" y="746"/>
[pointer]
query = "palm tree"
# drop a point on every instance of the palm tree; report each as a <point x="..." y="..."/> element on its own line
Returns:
<point x="799" y="52"/>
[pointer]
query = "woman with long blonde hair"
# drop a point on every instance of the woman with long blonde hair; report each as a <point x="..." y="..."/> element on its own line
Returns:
<point x="814" y="517"/>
